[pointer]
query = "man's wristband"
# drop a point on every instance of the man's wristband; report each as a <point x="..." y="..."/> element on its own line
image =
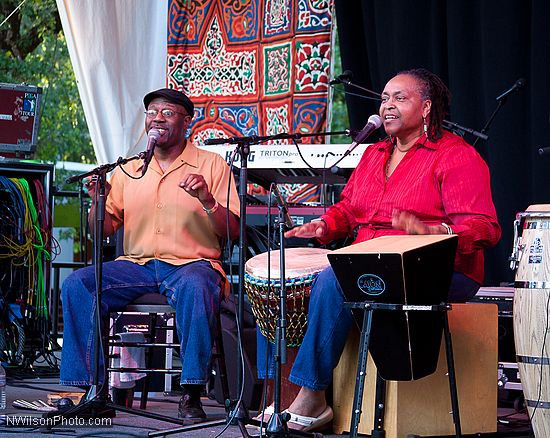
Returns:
<point x="213" y="209"/>
<point x="447" y="227"/>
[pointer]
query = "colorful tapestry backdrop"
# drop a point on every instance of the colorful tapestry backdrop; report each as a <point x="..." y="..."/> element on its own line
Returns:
<point x="253" y="67"/>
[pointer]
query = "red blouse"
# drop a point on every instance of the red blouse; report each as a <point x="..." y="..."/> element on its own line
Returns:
<point x="443" y="181"/>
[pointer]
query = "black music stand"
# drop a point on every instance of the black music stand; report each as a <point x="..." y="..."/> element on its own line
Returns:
<point x="405" y="279"/>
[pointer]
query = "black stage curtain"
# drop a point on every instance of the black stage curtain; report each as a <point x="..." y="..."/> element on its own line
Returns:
<point x="480" y="49"/>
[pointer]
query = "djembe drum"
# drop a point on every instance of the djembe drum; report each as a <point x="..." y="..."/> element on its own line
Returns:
<point x="302" y="265"/>
<point x="532" y="312"/>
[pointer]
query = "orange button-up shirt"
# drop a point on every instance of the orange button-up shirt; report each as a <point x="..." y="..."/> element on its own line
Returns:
<point x="161" y="220"/>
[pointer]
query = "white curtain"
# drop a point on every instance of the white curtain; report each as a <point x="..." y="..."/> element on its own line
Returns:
<point x="118" y="52"/>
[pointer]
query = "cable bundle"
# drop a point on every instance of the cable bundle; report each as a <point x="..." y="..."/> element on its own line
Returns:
<point x="24" y="251"/>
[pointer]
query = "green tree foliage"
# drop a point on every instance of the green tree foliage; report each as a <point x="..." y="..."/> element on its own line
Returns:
<point x="33" y="51"/>
<point x="340" y="119"/>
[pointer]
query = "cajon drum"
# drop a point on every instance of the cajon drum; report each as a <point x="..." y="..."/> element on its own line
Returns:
<point x="423" y="407"/>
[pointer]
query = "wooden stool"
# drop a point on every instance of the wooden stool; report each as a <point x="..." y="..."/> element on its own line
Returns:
<point x="423" y="406"/>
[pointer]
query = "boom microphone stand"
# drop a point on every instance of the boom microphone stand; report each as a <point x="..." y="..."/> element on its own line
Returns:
<point x="501" y="100"/>
<point x="93" y="404"/>
<point x="277" y="426"/>
<point x="346" y="77"/>
<point x="235" y="409"/>
<point x="238" y="411"/>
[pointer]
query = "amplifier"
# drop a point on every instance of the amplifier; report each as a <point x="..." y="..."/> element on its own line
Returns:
<point x="508" y="376"/>
<point x="256" y="215"/>
<point x="503" y="297"/>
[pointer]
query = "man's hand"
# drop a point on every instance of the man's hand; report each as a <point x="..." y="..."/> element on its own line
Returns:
<point x="312" y="229"/>
<point x="196" y="186"/>
<point x="218" y="215"/>
<point x="91" y="185"/>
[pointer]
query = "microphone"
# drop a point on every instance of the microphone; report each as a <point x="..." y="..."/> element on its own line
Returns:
<point x="344" y="78"/>
<point x="336" y="170"/>
<point x="518" y="85"/>
<point x="289" y="223"/>
<point x="231" y="140"/>
<point x="372" y="125"/>
<point x="154" y="135"/>
<point x="544" y="151"/>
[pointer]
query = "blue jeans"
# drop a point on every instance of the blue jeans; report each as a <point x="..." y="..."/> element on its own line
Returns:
<point x="327" y="331"/>
<point x="194" y="290"/>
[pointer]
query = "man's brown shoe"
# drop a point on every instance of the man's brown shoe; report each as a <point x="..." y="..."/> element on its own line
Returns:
<point x="190" y="407"/>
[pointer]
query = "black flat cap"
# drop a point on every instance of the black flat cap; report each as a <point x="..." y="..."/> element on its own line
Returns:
<point x="171" y="95"/>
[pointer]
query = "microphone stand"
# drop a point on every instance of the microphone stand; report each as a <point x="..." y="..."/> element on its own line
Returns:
<point x="501" y="101"/>
<point x="236" y="411"/>
<point x="239" y="414"/>
<point x="352" y="84"/>
<point x="452" y="125"/>
<point x="277" y="425"/>
<point x="97" y="257"/>
<point x="93" y="404"/>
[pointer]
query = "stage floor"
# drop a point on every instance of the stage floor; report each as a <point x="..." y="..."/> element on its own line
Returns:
<point x="126" y="424"/>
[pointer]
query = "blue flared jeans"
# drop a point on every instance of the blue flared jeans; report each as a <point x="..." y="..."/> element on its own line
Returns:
<point x="328" y="326"/>
<point x="194" y="290"/>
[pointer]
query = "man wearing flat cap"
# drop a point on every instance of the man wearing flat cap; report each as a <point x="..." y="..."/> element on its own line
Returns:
<point x="175" y="218"/>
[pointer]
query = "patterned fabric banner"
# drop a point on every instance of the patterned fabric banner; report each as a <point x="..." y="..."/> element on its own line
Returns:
<point x="253" y="67"/>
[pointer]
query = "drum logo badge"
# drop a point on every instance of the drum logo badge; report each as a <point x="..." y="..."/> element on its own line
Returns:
<point x="371" y="284"/>
<point x="535" y="251"/>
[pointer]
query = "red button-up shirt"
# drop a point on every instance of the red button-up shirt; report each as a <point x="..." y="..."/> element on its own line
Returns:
<point x="443" y="181"/>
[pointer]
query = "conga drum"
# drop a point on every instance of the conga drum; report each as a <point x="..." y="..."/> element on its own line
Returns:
<point x="302" y="265"/>
<point x="532" y="312"/>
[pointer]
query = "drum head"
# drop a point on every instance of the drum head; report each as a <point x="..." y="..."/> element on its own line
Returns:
<point x="539" y="207"/>
<point x="299" y="262"/>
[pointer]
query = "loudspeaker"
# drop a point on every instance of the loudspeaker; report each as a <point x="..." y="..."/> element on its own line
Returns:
<point x="410" y="270"/>
<point x="252" y="392"/>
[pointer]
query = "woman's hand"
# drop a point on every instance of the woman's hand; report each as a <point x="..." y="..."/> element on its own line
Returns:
<point x="312" y="229"/>
<point x="402" y="220"/>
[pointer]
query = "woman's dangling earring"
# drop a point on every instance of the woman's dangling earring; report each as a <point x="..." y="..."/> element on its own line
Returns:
<point x="425" y="126"/>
